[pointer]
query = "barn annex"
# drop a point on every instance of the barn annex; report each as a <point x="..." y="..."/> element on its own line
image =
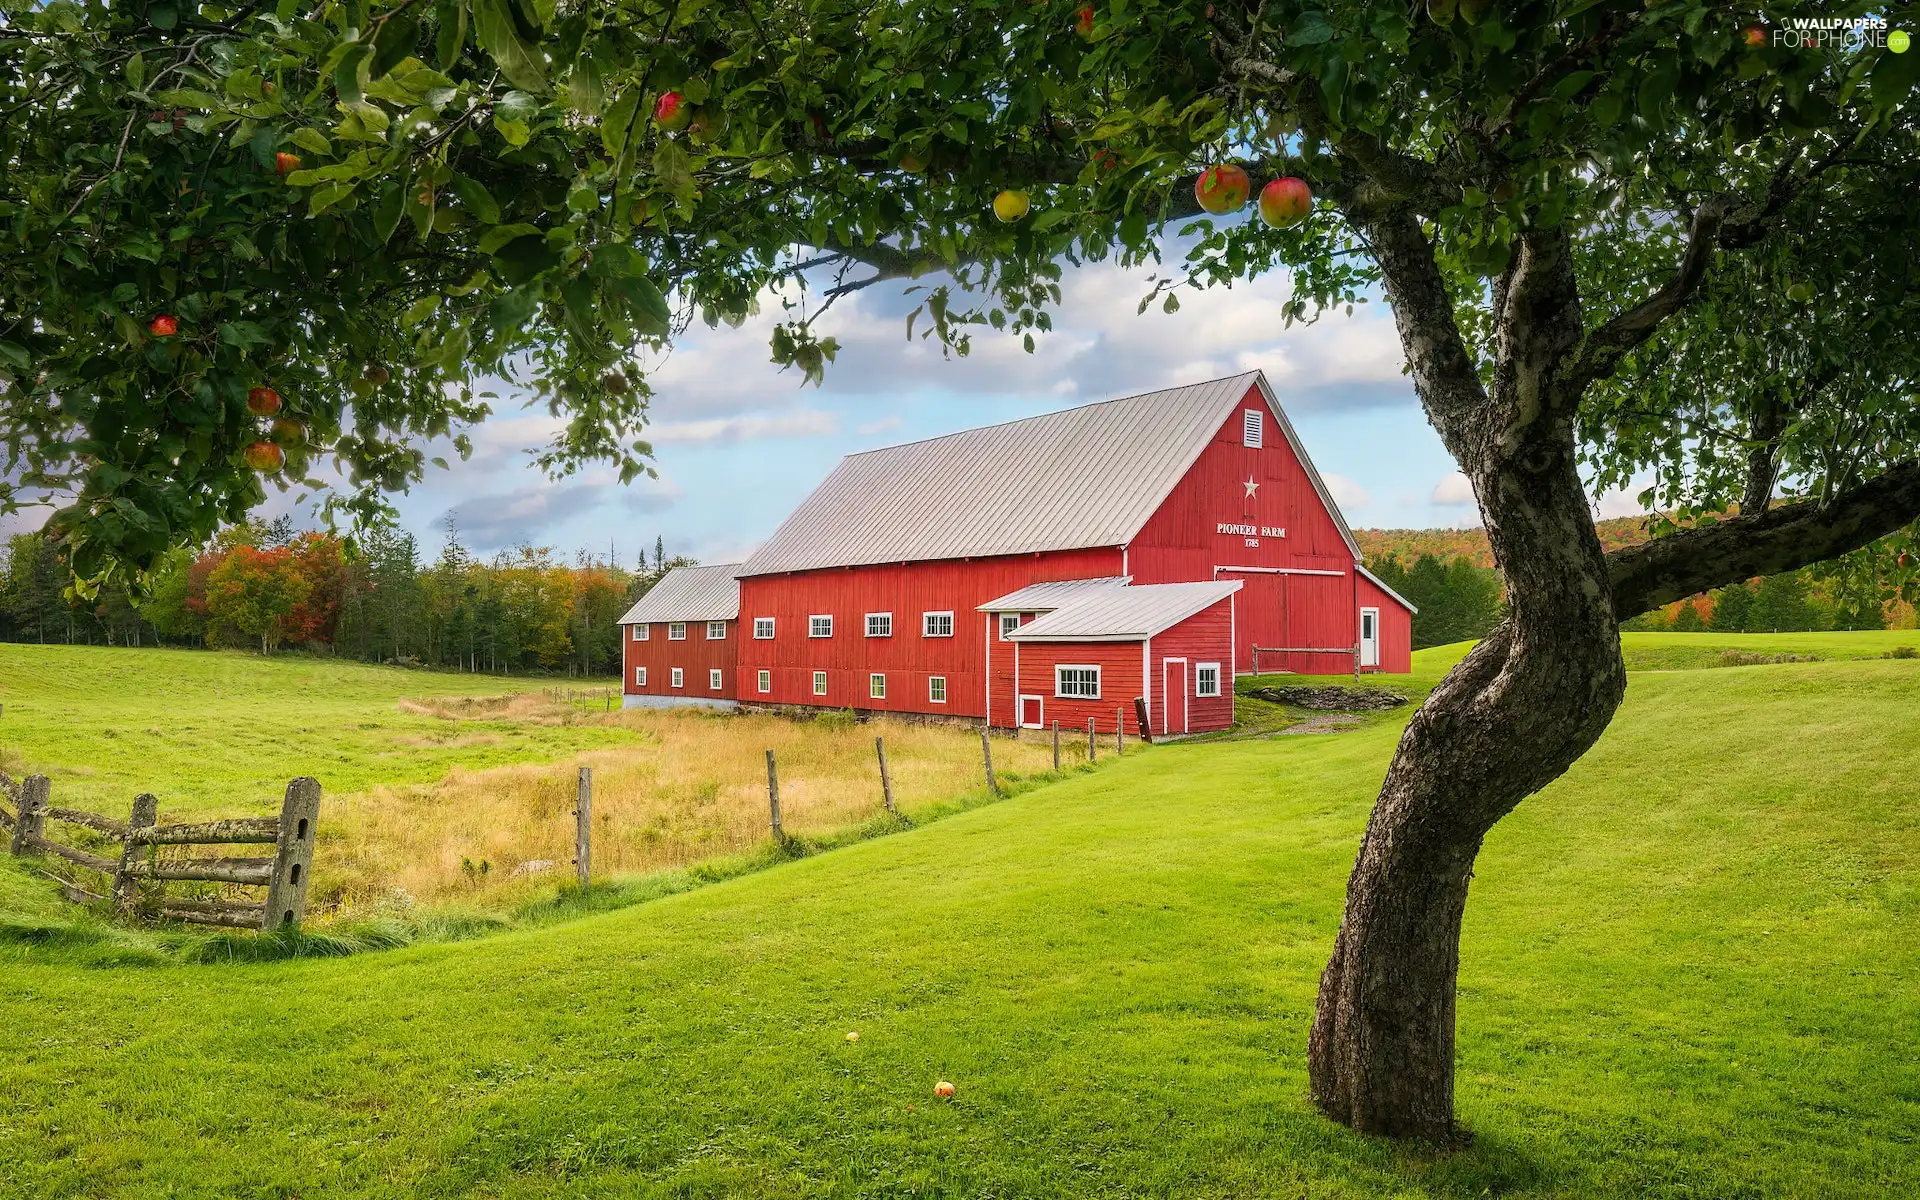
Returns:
<point x="1048" y="569"/>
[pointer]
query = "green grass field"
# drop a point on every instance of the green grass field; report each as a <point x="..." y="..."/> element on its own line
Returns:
<point x="1688" y="971"/>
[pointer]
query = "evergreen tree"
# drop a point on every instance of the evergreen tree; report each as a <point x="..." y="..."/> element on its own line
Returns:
<point x="1780" y="605"/>
<point x="1732" y="605"/>
<point x="1688" y="620"/>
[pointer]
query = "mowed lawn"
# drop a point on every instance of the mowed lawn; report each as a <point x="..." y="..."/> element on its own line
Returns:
<point x="221" y="733"/>
<point x="1689" y="970"/>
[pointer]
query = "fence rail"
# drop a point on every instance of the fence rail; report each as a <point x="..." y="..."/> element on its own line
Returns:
<point x="285" y="875"/>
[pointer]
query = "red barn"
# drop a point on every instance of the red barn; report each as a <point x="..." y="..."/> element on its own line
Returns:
<point x="1048" y="569"/>
<point x="682" y="640"/>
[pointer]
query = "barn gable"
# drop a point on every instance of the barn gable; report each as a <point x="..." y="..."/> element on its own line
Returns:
<point x="1084" y="477"/>
<point x="690" y="594"/>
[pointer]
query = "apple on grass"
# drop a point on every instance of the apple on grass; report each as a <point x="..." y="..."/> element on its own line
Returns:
<point x="943" y="1089"/>
<point x="1285" y="201"/>
<point x="1222" y="188"/>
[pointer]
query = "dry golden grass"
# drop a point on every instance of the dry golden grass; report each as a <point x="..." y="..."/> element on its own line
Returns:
<point x="685" y="786"/>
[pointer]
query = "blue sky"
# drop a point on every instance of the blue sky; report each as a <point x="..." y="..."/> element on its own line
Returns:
<point x="738" y="443"/>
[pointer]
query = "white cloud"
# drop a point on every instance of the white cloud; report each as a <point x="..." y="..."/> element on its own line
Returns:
<point x="1346" y="493"/>
<point x="884" y="425"/>
<point x="1453" y="489"/>
<point x="1621" y="502"/>
<point x="751" y="427"/>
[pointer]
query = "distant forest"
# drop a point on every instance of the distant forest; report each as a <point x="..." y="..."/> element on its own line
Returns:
<point x="268" y="587"/>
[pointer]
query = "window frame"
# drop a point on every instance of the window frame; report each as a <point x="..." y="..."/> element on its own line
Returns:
<point x="1199" y="670"/>
<point x="639" y="677"/>
<point x="819" y="683"/>
<point x="880" y="617"/>
<point x="1005" y="628"/>
<point x="716" y="637"/>
<point x="768" y="635"/>
<point x="715" y="679"/>
<point x="877" y="685"/>
<point x="764" y="681"/>
<point x="642" y="632"/>
<point x="676" y="631"/>
<point x="678" y="679"/>
<point x="1059" y="679"/>
<point x="927" y="619"/>
<point x="939" y="681"/>
<point x="1253" y="428"/>
<point x="813" y="625"/>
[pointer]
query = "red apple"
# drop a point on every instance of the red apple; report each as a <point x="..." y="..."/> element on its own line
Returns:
<point x="163" y="325"/>
<point x="263" y="401"/>
<point x="1285" y="202"/>
<point x="1222" y="188"/>
<point x="672" y="112"/>
<point x="943" y="1089"/>
<point x="286" y="164"/>
<point x="1106" y="160"/>
<point x="1756" y="35"/>
<point x="377" y="375"/>
<point x="264" y="456"/>
<point x="1083" y="21"/>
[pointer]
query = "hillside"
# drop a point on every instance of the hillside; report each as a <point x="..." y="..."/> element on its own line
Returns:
<point x="1688" y="971"/>
<point x="1447" y="544"/>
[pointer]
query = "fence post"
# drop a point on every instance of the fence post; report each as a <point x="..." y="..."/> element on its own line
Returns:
<point x="1256" y="660"/>
<point x="1119" y="731"/>
<point x="1056" y="745"/>
<point x="583" y="827"/>
<point x="986" y="756"/>
<point x="886" y="784"/>
<point x="1356" y="662"/>
<point x="292" y="856"/>
<point x="1092" y="752"/>
<point x="1140" y="715"/>
<point x="773" y="798"/>
<point x="126" y="886"/>
<point x="32" y="820"/>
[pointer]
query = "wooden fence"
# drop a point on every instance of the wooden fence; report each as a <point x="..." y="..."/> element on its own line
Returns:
<point x="285" y="876"/>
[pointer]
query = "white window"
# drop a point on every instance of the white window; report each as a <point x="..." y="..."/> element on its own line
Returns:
<point x="819" y="626"/>
<point x="639" y="677"/>
<point x="1253" y="427"/>
<point x="1078" y="682"/>
<point x="716" y="631"/>
<point x="819" y="683"/>
<point x="679" y="677"/>
<point x="713" y="679"/>
<point x="936" y="624"/>
<point x="1008" y="623"/>
<point x="676" y="631"/>
<point x="877" y="686"/>
<point x="879" y="624"/>
<point x="1206" y="679"/>
<point x="642" y="632"/>
<point x="763" y="628"/>
<point x="766" y="681"/>
<point x="937" y="689"/>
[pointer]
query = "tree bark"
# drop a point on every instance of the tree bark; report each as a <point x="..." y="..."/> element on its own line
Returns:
<point x="1517" y="711"/>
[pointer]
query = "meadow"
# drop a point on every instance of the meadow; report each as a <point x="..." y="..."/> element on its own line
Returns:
<point x="1687" y="971"/>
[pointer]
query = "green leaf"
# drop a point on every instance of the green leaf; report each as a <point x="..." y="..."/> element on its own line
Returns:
<point x="499" y="236"/>
<point x="327" y="195"/>
<point x="394" y="42"/>
<point x="420" y="310"/>
<point x="513" y="116"/>
<point x="673" y="168"/>
<point x="311" y="139"/>
<point x="615" y="126"/>
<point x="137" y="71"/>
<point x="478" y="201"/>
<point x="586" y="91"/>
<point x="519" y="62"/>
<point x="349" y="80"/>
<point x="1310" y="30"/>
<point x="583" y="197"/>
<point x="450" y="33"/>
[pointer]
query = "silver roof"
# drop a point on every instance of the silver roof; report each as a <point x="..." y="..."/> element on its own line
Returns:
<point x="1125" y="612"/>
<point x="1082" y="477"/>
<point x="690" y="594"/>
<point x="1056" y="593"/>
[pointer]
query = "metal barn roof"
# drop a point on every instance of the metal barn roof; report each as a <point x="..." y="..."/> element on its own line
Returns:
<point x="1079" y="478"/>
<point x="690" y="594"/>
<point x="1056" y="593"/>
<point x="1125" y="613"/>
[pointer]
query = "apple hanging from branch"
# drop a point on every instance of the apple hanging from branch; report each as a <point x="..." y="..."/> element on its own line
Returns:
<point x="264" y="457"/>
<point x="1222" y="188"/>
<point x="1010" y="205"/>
<point x="263" y="401"/>
<point x="1285" y="202"/>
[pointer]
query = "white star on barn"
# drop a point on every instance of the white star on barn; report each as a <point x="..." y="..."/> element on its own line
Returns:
<point x="1252" y="487"/>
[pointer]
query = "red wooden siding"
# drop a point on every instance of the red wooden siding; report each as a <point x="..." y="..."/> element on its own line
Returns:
<point x="1204" y="637"/>
<point x="1120" y="682"/>
<point x="696" y="656"/>
<point x="1182" y="542"/>
<point x="907" y="659"/>
<point x="1396" y="627"/>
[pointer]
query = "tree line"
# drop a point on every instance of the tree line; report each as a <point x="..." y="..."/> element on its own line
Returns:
<point x="269" y="587"/>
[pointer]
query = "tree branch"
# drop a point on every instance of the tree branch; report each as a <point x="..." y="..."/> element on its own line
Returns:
<point x="1779" y="539"/>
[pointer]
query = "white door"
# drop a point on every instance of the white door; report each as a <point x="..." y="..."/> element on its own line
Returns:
<point x="1173" y="682"/>
<point x="1369" y="637"/>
